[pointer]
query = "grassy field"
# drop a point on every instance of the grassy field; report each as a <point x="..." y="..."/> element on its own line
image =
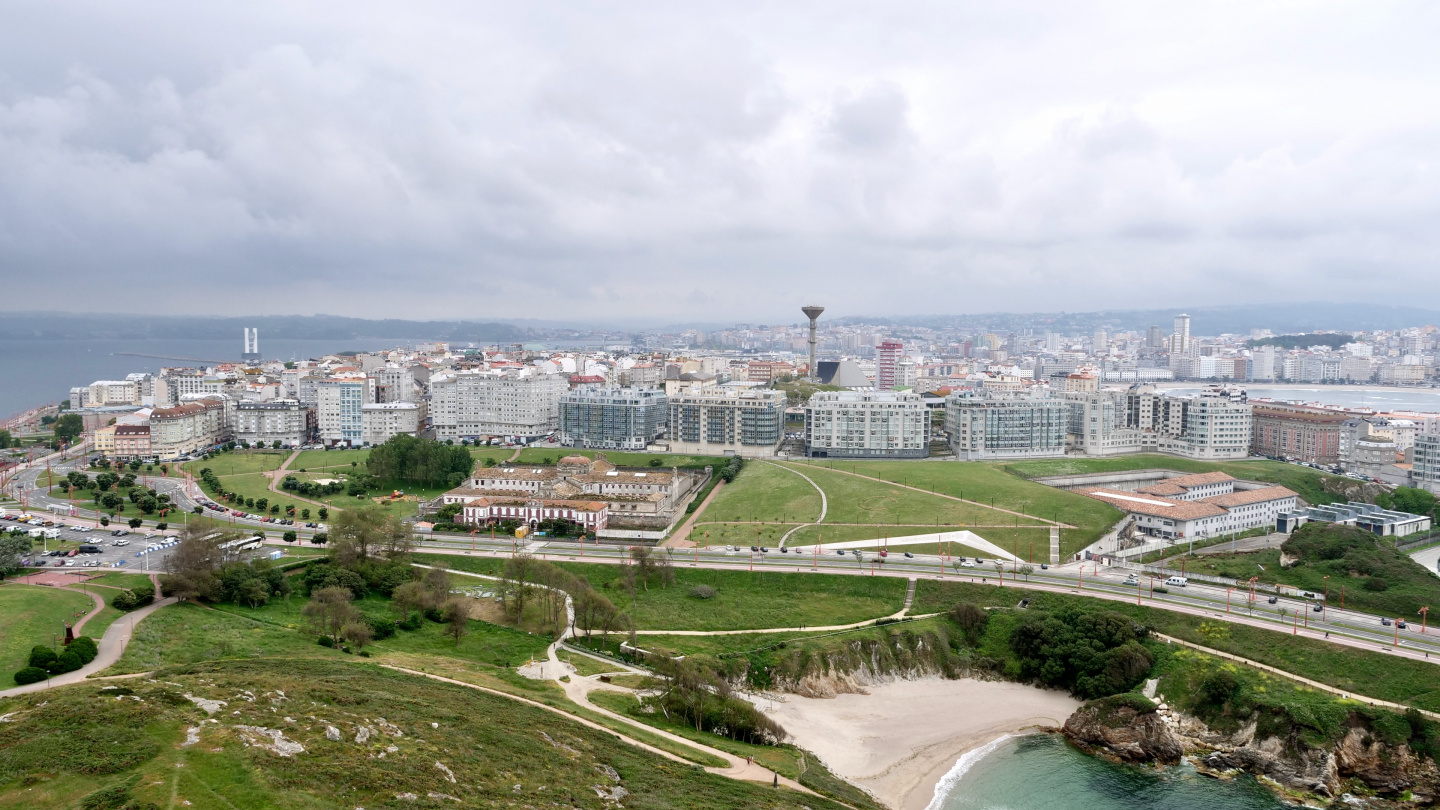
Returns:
<point x="856" y="500"/>
<point x="745" y="600"/>
<point x="33" y="615"/>
<point x="81" y="739"/>
<point x="741" y="534"/>
<point x="765" y="492"/>
<point x="991" y="484"/>
<point x="1303" y="480"/>
<point x="119" y="580"/>
<point x="1369" y="673"/>
<point x="238" y="462"/>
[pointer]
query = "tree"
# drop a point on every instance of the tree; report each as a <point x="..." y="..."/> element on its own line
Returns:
<point x="304" y="514"/>
<point x="253" y="592"/>
<point x="456" y="611"/>
<point x="411" y="597"/>
<point x="69" y="427"/>
<point x="6" y="440"/>
<point x="12" y="548"/>
<point x="135" y="523"/>
<point x="516" y="584"/>
<point x="359" y="634"/>
<point x="330" y="610"/>
<point x="1026" y="571"/>
<point x="289" y="537"/>
<point x="191" y="570"/>
<point x="971" y="618"/>
<point x="359" y="534"/>
<point x="324" y="513"/>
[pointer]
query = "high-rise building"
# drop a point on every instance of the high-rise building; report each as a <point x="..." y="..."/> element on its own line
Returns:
<point x="867" y="424"/>
<point x="339" y="402"/>
<point x="887" y="366"/>
<point x="1100" y="342"/>
<point x="394" y="384"/>
<point x="380" y="421"/>
<point x="727" y="421"/>
<point x="1154" y="339"/>
<point x="1296" y="432"/>
<point x="1426" y="470"/>
<point x="1180" y="340"/>
<point x="612" y="418"/>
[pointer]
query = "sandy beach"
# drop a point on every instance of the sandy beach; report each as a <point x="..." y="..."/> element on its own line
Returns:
<point x="903" y="737"/>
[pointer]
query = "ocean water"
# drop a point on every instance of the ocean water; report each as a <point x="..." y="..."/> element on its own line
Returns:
<point x="1043" y="772"/>
<point x="34" y="372"/>
<point x="1425" y="400"/>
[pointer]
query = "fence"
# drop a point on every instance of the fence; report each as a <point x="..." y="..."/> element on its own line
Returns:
<point x="1416" y="541"/>
<point x="1265" y="587"/>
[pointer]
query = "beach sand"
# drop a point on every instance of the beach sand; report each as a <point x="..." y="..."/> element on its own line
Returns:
<point x="903" y="737"/>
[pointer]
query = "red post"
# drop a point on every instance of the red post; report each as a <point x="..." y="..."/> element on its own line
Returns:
<point x="1082" y="576"/>
<point x="1295" y="625"/>
<point x="1227" y="599"/>
<point x="1424" y="612"/>
<point x="1139" y="589"/>
<point x="1397" y="631"/>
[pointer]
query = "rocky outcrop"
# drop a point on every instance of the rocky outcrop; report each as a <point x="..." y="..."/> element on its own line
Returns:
<point x="1127" y="727"/>
<point x="1132" y="729"/>
<point x="1348" y="489"/>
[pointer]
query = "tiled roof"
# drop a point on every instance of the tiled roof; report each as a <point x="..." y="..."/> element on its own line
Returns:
<point x="1157" y="506"/>
<point x="1243" y="497"/>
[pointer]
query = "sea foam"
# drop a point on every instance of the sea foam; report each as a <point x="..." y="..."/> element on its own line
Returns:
<point x="963" y="765"/>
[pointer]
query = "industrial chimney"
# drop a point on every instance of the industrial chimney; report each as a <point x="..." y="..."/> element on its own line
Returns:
<point x="813" y="313"/>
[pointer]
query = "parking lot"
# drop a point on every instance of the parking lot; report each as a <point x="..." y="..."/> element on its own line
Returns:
<point x="59" y="544"/>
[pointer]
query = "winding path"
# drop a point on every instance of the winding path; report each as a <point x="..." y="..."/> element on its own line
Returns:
<point x="112" y="645"/>
<point x="824" y="503"/>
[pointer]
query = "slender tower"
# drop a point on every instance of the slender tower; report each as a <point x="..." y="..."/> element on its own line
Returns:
<point x="813" y="313"/>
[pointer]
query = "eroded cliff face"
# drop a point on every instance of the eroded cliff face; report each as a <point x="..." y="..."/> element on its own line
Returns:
<point x="863" y="663"/>
<point x="1360" y="769"/>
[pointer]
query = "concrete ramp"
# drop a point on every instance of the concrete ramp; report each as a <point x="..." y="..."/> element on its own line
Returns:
<point x="970" y="539"/>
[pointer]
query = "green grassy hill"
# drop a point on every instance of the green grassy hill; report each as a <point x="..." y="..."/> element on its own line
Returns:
<point x="1308" y="483"/>
<point x="399" y="741"/>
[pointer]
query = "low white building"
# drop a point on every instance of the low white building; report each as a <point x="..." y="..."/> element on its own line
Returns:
<point x="382" y="420"/>
<point x="1171" y="518"/>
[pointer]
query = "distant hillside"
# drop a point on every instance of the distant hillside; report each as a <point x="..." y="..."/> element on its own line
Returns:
<point x="69" y="326"/>
<point x="1333" y="340"/>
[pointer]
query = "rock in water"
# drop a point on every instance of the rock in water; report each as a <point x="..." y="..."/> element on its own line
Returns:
<point x="1125" y="726"/>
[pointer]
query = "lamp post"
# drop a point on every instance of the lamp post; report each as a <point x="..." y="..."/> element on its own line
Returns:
<point x="1423" y="613"/>
<point x="1325" y="606"/>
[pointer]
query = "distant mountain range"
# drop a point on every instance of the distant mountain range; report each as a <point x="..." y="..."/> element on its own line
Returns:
<point x="69" y="325"/>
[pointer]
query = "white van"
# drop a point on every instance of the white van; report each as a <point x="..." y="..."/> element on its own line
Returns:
<point x="1178" y="582"/>
<point x="36" y="533"/>
<point x="52" y="534"/>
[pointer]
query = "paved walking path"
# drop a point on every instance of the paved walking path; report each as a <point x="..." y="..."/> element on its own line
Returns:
<point x="943" y="495"/>
<point x="278" y="474"/>
<point x="681" y="538"/>
<point x="824" y="503"/>
<point x="112" y="646"/>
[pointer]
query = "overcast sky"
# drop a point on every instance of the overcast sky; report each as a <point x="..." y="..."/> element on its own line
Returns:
<point x="714" y="161"/>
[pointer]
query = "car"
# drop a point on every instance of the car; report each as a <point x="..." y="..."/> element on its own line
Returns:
<point x="856" y="552"/>
<point x="122" y="542"/>
<point x="1384" y="621"/>
<point x="841" y="552"/>
<point x="1400" y="623"/>
<point x="979" y="560"/>
<point x="754" y="548"/>
<point x="1274" y="599"/>
<point x="909" y="556"/>
<point x="784" y="550"/>
<point x="764" y="550"/>
<point x="1318" y="607"/>
<point x="884" y="553"/>
<point x="1132" y="580"/>
<point x="1044" y="566"/>
<point x="966" y="564"/>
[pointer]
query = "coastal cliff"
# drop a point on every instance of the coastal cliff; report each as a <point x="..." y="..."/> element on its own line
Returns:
<point x="1362" y="767"/>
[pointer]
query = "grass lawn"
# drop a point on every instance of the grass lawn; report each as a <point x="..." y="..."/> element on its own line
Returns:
<point x="96" y="627"/>
<point x="120" y="580"/>
<point x="856" y="500"/>
<point x="82" y="739"/>
<point x="990" y="483"/>
<point x="745" y="600"/>
<point x="328" y="459"/>
<point x="766" y="492"/>
<point x="744" y="535"/>
<point x="1303" y="480"/>
<point x="586" y="666"/>
<point x="237" y="462"/>
<point x="189" y="634"/>
<point x="1373" y="674"/>
<point x="33" y="614"/>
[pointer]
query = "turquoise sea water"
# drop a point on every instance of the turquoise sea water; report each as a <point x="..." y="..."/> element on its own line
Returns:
<point x="1043" y="772"/>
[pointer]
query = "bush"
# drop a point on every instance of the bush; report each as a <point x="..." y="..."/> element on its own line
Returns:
<point x="434" y="615"/>
<point x="325" y="641"/>
<point x="69" y="661"/>
<point x="124" y="600"/>
<point x="703" y="592"/>
<point x="413" y="622"/>
<point x="30" y="675"/>
<point x="86" y="648"/>
<point x="380" y="627"/>
<point x="41" y="657"/>
<point x="1376" y="584"/>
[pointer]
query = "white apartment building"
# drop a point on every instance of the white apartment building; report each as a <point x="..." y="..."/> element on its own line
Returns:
<point x="187" y="428"/>
<point x="382" y="420"/>
<point x="613" y="418"/>
<point x="995" y="425"/>
<point x="394" y="384"/>
<point x="338" y="404"/>
<point x="102" y="393"/>
<point x="277" y="420"/>
<point x="520" y="404"/>
<point x="1425" y="473"/>
<point x="727" y="421"/>
<point x="866" y="424"/>
<point x="1216" y="425"/>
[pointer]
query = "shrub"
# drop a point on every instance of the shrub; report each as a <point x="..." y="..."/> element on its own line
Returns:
<point x="380" y="627"/>
<point x="124" y="600"/>
<point x="434" y="615"/>
<point x="86" y="648"/>
<point x="1376" y="584"/>
<point x="41" y="657"/>
<point x="30" y="675"/>
<point x="703" y="592"/>
<point x="324" y="641"/>
<point x="69" y="661"/>
<point x="414" y="622"/>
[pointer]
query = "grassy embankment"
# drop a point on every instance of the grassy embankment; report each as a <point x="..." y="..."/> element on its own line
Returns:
<point x="743" y="601"/>
<point x="33" y="615"/>
<point x="66" y="744"/>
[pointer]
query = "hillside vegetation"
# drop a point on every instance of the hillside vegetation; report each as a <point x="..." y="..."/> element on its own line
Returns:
<point x="1306" y="482"/>
<point x="329" y="736"/>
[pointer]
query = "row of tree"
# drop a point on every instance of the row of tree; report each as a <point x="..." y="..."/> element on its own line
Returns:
<point x="422" y="461"/>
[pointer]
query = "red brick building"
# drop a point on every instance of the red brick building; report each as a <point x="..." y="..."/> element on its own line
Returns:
<point x="1296" y="432"/>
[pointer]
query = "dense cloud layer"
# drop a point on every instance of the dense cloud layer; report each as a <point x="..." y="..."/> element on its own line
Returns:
<point x="679" y="161"/>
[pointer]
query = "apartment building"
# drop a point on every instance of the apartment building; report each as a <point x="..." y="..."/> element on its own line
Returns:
<point x="613" y="418"/>
<point x="1216" y="425"/>
<point x="339" y="400"/>
<point x="187" y="428"/>
<point x="887" y="364"/>
<point x="998" y="425"/>
<point x="727" y="421"/>
<point x="518" y="404"/>
<point x="127" y="441"/>
<point x="277" y="420"/>
<point x="1296" y="432"/>
<point x="866" y="424"/>
<point x="379" y="421"/>
<point x="394" y="384"/>
<point x="1425" y="472"/>
<point x="1186" y="516"/>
